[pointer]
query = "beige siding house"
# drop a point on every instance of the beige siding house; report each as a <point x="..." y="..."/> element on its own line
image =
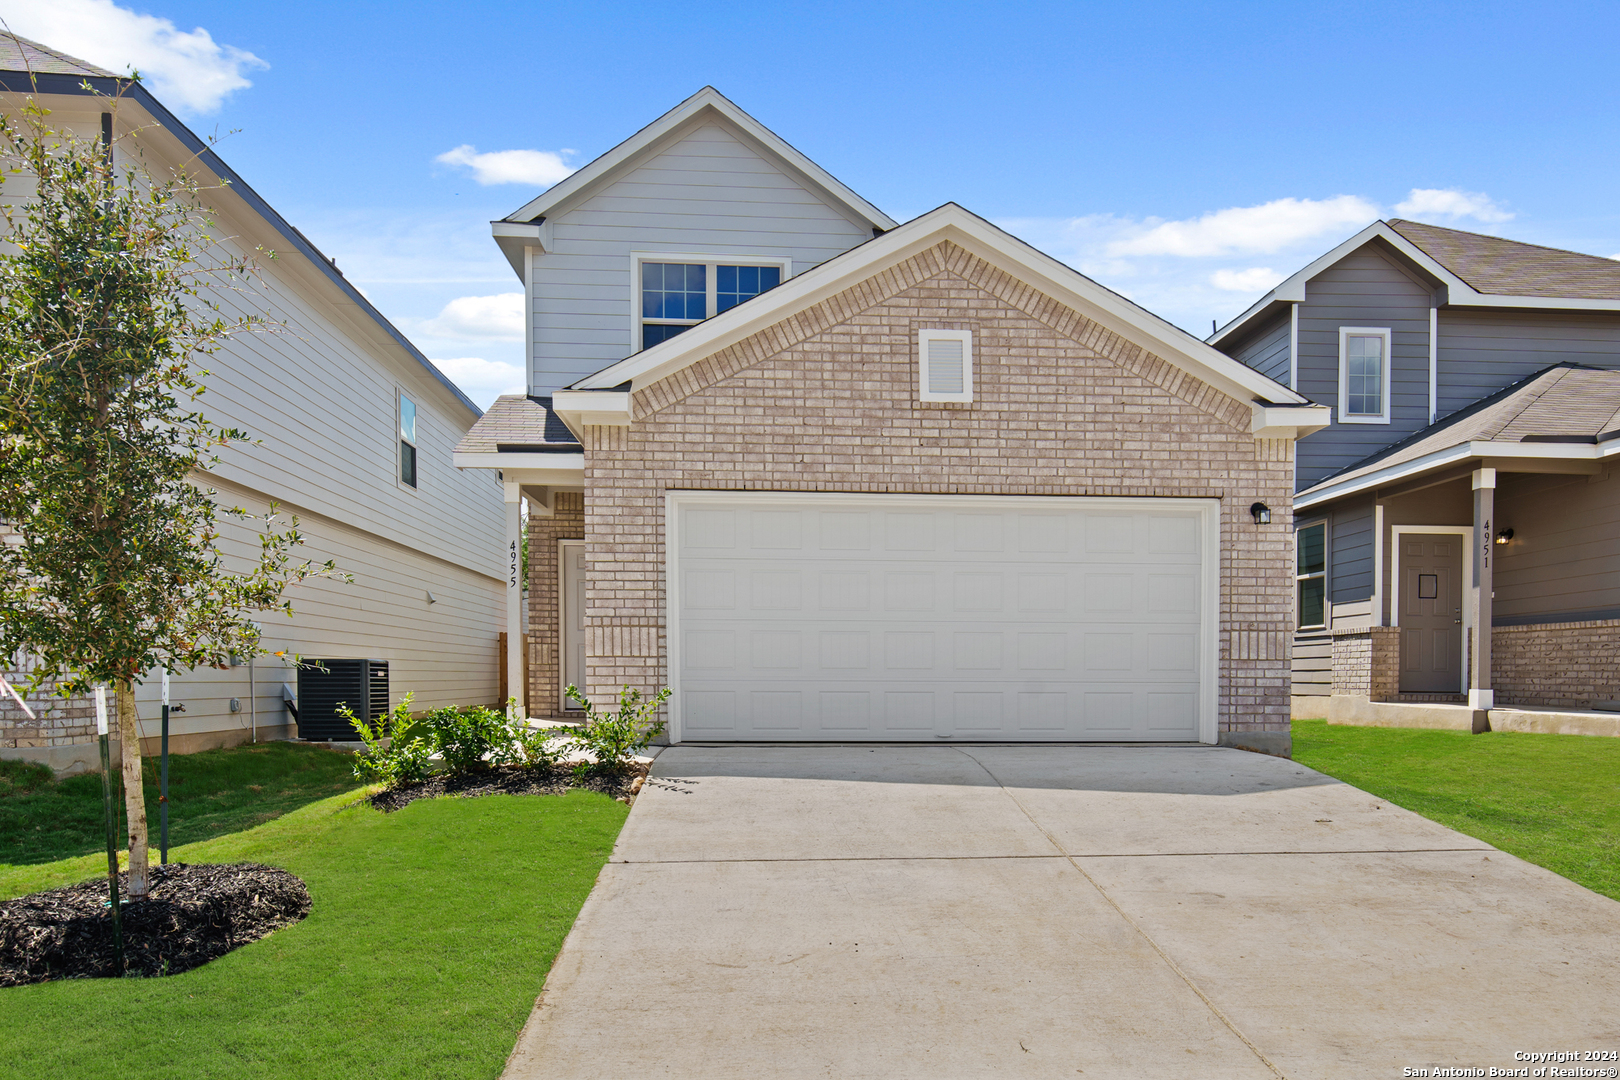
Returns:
<point x="329" y="395"/>
<point x="926" y="484"/>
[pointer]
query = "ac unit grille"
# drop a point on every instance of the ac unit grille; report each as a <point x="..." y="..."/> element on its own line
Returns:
<point x="324" y="685"/>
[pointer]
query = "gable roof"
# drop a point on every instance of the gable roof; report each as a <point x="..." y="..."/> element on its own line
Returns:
<point x="1474" y="270"/>
<point x="1567" y="410"/>
<point x="707" y="102"/>
<point x="19" y="74"/>
<point x="1491" y="264"/>
<point x="977" y="236"/>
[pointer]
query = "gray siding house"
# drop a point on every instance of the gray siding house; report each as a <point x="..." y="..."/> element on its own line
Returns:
<point x="1467" y="478"/>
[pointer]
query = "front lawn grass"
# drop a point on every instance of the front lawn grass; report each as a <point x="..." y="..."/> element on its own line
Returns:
<point x="212" y="793"/>
<point x="430" y="936"/>
<point x="1553" y="800"/>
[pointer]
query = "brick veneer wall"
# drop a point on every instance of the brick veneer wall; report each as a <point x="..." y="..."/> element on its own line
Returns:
<point x="826" y="400"/>
<point x="1556" y="665"/>
<point x="566" y="522"/>
<point x="58" y="721"/>
<point x="1367" y="662"/>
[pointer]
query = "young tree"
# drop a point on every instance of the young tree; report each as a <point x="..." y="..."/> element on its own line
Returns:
<point x="110" y="294"/>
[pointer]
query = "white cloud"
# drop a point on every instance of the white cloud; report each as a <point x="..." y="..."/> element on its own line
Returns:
<point x="1253" y="280"/>
<point x="1451" y="203"/>
<point x="188" y="71"/>
<point x="1265" y="229"/>
<point x="473" y="318"/>
<point x="483" y="380"/>
<point x="541" y="168"/>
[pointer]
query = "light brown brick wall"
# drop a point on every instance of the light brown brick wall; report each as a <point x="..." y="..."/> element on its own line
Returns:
<point x="58" y="721"/>
<point x="1556" y="665"/>
<point x="827" y="401"/>
<point x="566" y="522"/>
<point x="1367" y="662"/>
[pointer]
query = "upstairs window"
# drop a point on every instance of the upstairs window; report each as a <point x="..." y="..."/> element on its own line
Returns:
<point x="407" y="441"/>
<point x="1363" y="375"/>
<point x="678" y="295"/>
<point x="1310" y="575"/>
<point x="945" y="365"/>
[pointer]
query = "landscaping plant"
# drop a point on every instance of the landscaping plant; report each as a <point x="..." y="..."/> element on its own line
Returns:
<point x="615" y="738"/>
<point x="109" y="281"/>
<point x="396" y="751"/>
<point x="472" y="738"/>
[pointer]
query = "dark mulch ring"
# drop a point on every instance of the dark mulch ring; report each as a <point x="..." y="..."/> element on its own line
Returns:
<point x="511" y="780"/>
<point x="193" y="914"/>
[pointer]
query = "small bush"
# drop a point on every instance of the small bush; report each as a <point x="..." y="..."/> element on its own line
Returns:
<point x="404" y="759"/>
<point x="469" y="738"/>
<point x="615" y="738"/>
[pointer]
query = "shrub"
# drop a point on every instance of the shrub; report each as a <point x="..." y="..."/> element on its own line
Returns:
<point x="404" y="759"/>
<point x="614" y="738"/>
<point x="466" y="737"/>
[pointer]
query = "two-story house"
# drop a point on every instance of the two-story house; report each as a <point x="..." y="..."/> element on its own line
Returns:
<point x="1458" y="523"/>
<point x="830" y="477"/>
<point x="352" y="431"/>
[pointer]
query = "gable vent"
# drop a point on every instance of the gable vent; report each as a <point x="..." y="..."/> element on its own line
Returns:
<point x="945" y="363"/>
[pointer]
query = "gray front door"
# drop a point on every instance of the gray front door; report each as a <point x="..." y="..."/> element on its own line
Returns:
<point x="1431" y="613"/>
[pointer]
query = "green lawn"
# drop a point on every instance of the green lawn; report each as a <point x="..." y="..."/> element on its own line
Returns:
<point x="1553" y="800"/>
<point x="431" y="934"/>
<point x="210" y="794"/>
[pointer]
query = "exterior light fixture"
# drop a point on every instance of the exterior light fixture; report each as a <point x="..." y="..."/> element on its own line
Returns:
<point x="1504" y="536"/>
<point x="1261" y="513"/>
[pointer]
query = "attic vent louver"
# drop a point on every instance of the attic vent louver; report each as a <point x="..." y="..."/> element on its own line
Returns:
<point x="945" y="365"/>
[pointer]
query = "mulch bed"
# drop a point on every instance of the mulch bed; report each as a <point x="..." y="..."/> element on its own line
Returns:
<point x="511" y="780"/>
<point x="193" y="914"/>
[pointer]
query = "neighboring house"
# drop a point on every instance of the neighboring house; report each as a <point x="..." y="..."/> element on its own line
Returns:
<point x="833" y="478"/>
<point x="1468" y="478"/>
<point x="356" y="429"/>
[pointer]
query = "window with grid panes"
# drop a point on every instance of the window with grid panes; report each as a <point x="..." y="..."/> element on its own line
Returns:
<point x="678" y="296"/>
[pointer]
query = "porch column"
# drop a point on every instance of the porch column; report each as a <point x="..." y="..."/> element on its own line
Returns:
<point x="514" y="596"/>
<point x="1480" y="694"/>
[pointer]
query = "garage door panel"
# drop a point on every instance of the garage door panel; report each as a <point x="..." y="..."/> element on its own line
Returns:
<point x="996" y="619"/>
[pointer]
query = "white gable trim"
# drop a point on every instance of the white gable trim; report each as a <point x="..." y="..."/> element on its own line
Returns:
<point x="708" y="98"/>
<point x="977" y="236"/>
<point x="1458" y="292"/>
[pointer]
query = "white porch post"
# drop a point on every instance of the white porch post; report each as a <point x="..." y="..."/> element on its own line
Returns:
<point x="1480" y="694"/>
<point x="514" y="596"/>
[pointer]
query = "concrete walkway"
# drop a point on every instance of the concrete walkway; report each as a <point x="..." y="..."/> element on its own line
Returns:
<point x="1046" y="911"/>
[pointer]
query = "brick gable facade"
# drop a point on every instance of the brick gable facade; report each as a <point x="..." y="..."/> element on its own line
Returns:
<point x="827" y="401"/>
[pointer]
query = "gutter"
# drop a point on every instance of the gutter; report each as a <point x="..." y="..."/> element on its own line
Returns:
<point x="1590" y="449"/>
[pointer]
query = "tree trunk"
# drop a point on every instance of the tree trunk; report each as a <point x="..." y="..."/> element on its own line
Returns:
<point x="129" y="734"/>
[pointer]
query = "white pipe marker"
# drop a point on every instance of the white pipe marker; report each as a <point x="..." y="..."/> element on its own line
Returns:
<point x="101" y="710"/>
<point x="165" y="688"/>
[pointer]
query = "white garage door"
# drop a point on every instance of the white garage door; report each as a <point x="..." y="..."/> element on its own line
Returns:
<point x="914" y="617"/>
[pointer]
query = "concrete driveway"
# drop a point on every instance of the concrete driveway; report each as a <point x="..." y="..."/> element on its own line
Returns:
<point x="1044" y="911"/>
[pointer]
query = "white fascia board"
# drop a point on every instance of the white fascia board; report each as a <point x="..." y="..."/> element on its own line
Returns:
<point x="706" y="98"/>
<point x="579" y="409"/>
<point x="553" y="470"/>
<point x="979" y="237"/>
<point x="1451" y="455"/>
<point x="1289" y="421"/>
<point x="514" y="237"/>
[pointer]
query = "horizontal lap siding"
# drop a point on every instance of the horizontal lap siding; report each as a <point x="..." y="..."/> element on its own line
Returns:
<point x="1483" y="351"/>
<point x="708" y="191"/>
<point x="1365" y="288"/>
<point x="1350" y="551"/>
<point x="1062" y="407"/>
<point x="1565" y="554"/>
<point x="1267" y="350"/>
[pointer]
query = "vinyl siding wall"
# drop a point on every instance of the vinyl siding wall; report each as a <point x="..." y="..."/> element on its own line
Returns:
<point x="1565" y="554"/>
<point x="1266" y="350"/>
<point x="706" y="190"/>
<point x="1366" y="288"/>
<point x="1483" y="351"/>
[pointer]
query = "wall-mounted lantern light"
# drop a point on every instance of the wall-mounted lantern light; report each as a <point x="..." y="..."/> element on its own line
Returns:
<point x="1261" y="513"/>
<point x="1504" y="536"/>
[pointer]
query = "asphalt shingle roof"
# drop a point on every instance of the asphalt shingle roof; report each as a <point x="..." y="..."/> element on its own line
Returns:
<point x="20" y="54"/>
<point x="1564" y="403"/>
<point x="1491" y="264"/>
<point x="518" y="424"/>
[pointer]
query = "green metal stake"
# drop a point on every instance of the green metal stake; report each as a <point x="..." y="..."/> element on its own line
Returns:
<point x="163" y="782"/>
<point x="112" y="829"/>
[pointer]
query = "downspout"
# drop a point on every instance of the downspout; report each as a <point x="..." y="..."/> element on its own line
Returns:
<point x="1434" y="361"/>
<point x="1293" y="348"/>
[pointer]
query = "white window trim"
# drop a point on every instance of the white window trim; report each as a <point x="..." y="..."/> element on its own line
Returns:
<point x="924" y="393"/>
<point x="1327" y="607"/>
<point x="1345" y="416"/>
<point x="399" y="436"/>
<point x="709" y="258"/>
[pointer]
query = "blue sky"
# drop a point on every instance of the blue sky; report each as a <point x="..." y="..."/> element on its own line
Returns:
<point x="1188" y="155"/>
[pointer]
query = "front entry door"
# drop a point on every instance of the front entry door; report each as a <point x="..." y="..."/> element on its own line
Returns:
<point x="573" y="618"/>
<point x="1431" y="613"/>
